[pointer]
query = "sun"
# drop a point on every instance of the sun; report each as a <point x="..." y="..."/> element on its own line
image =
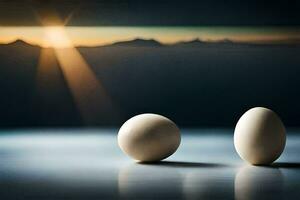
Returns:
<point x="56" y="37"/>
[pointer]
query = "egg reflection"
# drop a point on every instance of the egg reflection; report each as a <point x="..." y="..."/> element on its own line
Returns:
<point x="209" y="184"/>
<point x="147" y="181"/>
<point x="258" y="183"/>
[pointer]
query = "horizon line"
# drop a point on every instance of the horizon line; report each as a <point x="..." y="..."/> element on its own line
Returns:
<point x="197" y="39"/>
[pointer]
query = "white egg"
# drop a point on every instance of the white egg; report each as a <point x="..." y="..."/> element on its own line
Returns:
<point x="149" y="137"/>
<point x="259" y="136"/>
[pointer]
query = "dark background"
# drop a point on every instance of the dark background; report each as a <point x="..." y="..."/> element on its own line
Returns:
<point x="146" y="12"/>
<point x="195" y="84"/>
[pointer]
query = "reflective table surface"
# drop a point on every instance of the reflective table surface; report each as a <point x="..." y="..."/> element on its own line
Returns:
<point x="87" y="164"/>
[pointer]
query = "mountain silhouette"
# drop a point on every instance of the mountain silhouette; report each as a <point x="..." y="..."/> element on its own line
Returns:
<point x="210" y="43"/>
<point x="195" y="42"/>
<point x="138" y="42"/>
<point x="19" y="43"/>
<point x="226" y="41"/>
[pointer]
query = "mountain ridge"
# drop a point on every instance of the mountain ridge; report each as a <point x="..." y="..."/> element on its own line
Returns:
<point x="19" y="42"/>
<point x="141" y="42"/>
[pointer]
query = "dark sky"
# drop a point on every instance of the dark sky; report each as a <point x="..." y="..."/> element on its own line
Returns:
<point x="145" y="12"/>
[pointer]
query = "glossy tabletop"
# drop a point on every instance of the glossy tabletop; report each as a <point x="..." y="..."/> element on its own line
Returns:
<point x="87" y="164"/>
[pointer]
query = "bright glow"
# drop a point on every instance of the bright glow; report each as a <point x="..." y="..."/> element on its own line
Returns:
<point x="56" y="37"/>
<point x="89" y="95"/>
<point x="95" y="36"/>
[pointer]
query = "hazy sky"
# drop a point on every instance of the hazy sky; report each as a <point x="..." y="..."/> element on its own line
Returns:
<point x="92" y="36"/>
<point x="100" y="22"/>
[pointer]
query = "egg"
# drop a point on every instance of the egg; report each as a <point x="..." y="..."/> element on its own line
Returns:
<point x="259" y="136"/>
<point x="149" y="137"/>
